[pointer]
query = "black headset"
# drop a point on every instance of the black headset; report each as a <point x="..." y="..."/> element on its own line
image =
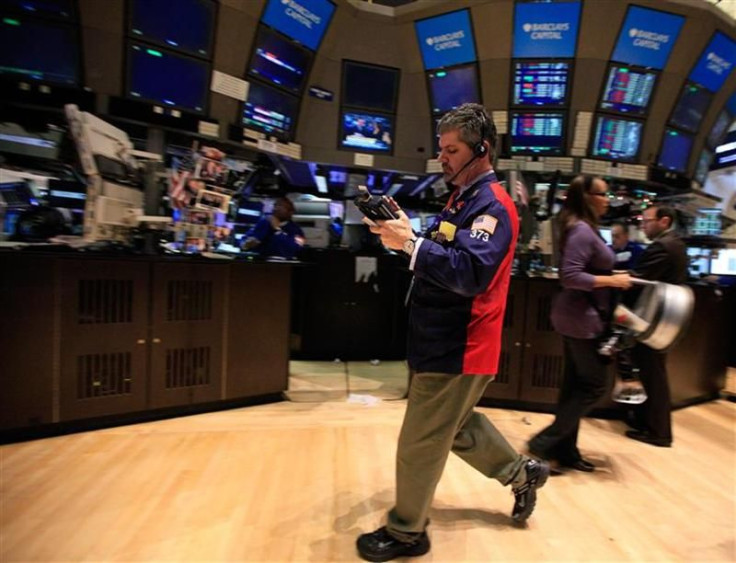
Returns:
<point x="480" y="149"/>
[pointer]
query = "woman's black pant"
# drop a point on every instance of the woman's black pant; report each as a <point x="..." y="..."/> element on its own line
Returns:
<point x="584" y="382"/>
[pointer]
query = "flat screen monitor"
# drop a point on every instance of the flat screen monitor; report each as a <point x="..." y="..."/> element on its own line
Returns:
<point x="363" y="131"/>
<point x="167" y="78"/>
<point x="675" y="151"/>
<point x="446" y="40"/>
<point x="541" y="83"/>
<point x="66" y="198"/>
<point x="34" y="49"/>
<point x="616" y="138"/>
<point x="725" y="263"/>
<point x="184" y="25"/>
<point x="279" y="61"/>
<point x="537" y="133"/>
<point x="249" y="211"/>
<point x="298" y="173"/>
<point x="628" y="90"/>
<point x="703" y="166"/>
<point x="691" y="107"/>
<point x="270" y="110"/>
<point x="607" y="234"/>
<point x="58" y="9"/>
<point x="369" y="87"/>
<point x="707" y="222"/>
<point x="450" y="88"/>
<point x="303" y="20"/>
<point x="698" y="261"/>
<point x="718" y="131"/>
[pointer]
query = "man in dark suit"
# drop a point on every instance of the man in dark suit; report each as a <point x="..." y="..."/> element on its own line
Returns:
<point x="665" y="259"/>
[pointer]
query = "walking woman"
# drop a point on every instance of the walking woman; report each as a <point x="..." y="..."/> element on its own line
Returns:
<point x="578" y="313"/>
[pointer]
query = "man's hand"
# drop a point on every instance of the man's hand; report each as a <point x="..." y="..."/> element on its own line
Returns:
<point x="393" y="233"/>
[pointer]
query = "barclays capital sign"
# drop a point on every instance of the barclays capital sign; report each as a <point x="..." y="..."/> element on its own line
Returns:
<point x="303" y="20"/>
<point x="548" y="30"/>
<point x="647" y="37"/>
<point x="716" y="62"/>
<point x="446" y="40"/>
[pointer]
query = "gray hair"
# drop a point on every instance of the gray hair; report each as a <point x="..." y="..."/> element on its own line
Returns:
<point x="472" y="123"/>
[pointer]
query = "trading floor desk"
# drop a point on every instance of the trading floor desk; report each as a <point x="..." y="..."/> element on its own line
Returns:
<point x="105" y="337"/>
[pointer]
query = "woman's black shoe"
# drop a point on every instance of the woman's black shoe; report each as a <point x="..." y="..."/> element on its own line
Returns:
<point x="382" y="546"/>
<point x="580" y="465"/>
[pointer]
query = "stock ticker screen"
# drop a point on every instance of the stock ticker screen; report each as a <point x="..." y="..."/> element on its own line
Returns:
<point x="270" y="110"/>
<point x="537" y="133"/>
<point x="541" y="83"/>
<point x="628" y="90"/>
<point x="617" y="139"/>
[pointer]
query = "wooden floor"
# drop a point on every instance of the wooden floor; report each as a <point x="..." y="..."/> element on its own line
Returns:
<point x="298" y="481"/>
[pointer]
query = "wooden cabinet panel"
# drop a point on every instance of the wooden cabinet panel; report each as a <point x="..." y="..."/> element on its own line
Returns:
<point x="187" y="321"/>
<point x="103" y="335"/>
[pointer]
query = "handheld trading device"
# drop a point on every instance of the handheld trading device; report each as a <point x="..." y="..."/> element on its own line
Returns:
<point x="376" y="208"/>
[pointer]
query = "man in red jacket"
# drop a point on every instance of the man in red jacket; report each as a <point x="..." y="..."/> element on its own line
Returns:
<point x="462" y="269"/>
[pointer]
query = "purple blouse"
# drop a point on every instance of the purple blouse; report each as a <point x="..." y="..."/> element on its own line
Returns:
<point x="586" y="255"/>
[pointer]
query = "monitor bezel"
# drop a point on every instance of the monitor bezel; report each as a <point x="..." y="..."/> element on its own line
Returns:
<point x="686" y="167"/>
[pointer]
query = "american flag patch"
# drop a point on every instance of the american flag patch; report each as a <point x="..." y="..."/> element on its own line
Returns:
<point x="485" y="223"/>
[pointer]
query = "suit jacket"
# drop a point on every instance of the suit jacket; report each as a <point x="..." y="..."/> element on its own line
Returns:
<point x="665" y="259"/>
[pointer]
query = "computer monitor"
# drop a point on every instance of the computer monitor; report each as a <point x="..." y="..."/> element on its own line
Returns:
<point x="537" y="133"/>
<point x="249" y="211"/>
<point x="541" y="83"/>
<point x="298" y="173"/>
<point x="698" y="261"/>
<point x="691" y="107"/>
<point x="370" y="87"/>
<point x="725" y="263"/>
<point x="627" y="90"/>
<point x="163" y="77"/>
<point x="675" y="150"/>
<point x="718" y="131"/>
<point x="39" y="50"/>
<point x="616" y="138"/>
<point x="450" y="88"/>
<point x="279" y="61"/>
<point x="607" y="234"/>
<point x="707" y="222"/>
<point x="363" y="131"/>
<point x="270" y="110"/>
<point x="184" y="25"/>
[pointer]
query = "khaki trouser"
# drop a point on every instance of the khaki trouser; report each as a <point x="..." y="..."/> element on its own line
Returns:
<point x="440" y="418"/>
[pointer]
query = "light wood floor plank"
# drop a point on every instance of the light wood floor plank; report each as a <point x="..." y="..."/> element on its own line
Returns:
<point x="299" y="482"/>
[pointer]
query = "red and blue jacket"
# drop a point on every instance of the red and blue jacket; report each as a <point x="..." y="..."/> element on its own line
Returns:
<point x="462" y="271"/>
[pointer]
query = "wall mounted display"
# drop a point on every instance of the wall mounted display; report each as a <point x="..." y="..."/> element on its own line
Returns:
<point x="446" y="40"/>
<point x="303" y="20"/>
<point x="647" y="37"/>
<point x="546" y="30"/>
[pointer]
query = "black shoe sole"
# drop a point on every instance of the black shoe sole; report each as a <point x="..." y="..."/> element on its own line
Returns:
<point x="541" y="480"/>
<point x="411" y="551"/>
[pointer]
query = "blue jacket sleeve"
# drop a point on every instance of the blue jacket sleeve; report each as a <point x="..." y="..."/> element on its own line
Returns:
<point x="261" y="230"/>
<point x="468" y="266"/>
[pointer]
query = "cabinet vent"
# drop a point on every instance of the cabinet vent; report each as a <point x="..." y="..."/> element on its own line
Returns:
<point x="502" y="376"/>
<point x="547" y="371"/>
<point x="187" y="367"/>
<point x="189" y="300"/>
<point x="105" y="301"/>
<point x="103" y="375"/>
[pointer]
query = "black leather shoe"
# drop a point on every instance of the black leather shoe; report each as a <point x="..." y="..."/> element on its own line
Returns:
<point x="579" y="465"/>
<point x="648" y="438"/>
<point x="382" y="546"/>
<point x="525" y="495"/>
